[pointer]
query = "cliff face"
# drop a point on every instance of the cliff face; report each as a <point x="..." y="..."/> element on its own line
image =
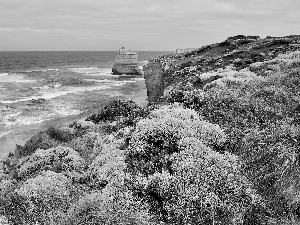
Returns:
<point x="154" y="78"/>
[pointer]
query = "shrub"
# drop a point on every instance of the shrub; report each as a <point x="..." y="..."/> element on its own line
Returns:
<point x="59" y="159"/>
<point x="3" y="168"/>
<point x="184" y="93"/>
<point x="62" y="134"/>
<point x="45" y="197"/>
<point x="41" y="140"/>
<point x="114" y="205"/>
<point x="85" y="145"/>
<point x="82" y="127"/>
<point x="108" y="167"/>
<point x="9" y="207"/>
<point x="42" y="199"/>
<point x="204" y="187"/>
<point x="271" y="161"/>
<point x="128" y="111"/>
<point x="157" y="137"/>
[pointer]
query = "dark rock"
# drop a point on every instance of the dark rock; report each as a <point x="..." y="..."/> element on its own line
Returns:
<point x="38" y="100"/>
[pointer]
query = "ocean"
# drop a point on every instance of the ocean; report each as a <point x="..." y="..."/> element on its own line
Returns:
<point x="43" y="89"/>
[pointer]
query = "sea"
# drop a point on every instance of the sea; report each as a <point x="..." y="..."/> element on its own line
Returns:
<point x="43" y="89"/>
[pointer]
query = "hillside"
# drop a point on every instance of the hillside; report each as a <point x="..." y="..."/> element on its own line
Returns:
<point x="219" y="144"/>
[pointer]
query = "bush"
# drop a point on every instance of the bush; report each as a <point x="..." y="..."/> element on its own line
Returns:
<point x="202" y="187"/>
<point x="128" y="111"/>
<point x="83" y="127"/>
<point x="9" y="206"/>
<point x="62" y="134"/>
<point x="3" y="168"/>
<point x="59" y="159"/>
<point x="41" y="140"/>
<point x="46" y="197"/>
<point x="157" y="137"/>
<point x="42" y="199"/>
<point x="185" y="94"/>
<point x="85" y="145"/>
<point x="108" y="166"/>
<point x="271" y="161"/>
<point x="114" y="205"/>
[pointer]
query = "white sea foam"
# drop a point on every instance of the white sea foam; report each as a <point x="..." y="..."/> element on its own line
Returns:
<point x="14" y="78"/>
<point x="99" y="74"/>
<point x="53" y="69"/>
<point x="47" y="87"/>
<point x="37" y="70"/>
<point x="24" y="120"/>
<point x="92" y="71"/>
<point x="4" y="133"/>
<point x="100" y="81"/>
<point x="138" y="79"/>
<point x="62" y="108"/>
<point x="9" y="119"/>
<point x="123" y="75"/>
<point x="50" y="94"/>
<point x="18" y="100"/>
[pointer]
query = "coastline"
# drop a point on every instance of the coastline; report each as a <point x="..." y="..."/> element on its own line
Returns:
<point x="132" y="91"/>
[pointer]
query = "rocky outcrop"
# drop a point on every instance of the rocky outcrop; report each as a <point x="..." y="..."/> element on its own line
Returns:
<point x="118" y="69"/>
<point x="126" y="62"/>
<point x="154" y="78"/>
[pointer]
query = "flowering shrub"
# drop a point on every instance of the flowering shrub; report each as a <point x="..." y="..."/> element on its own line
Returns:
<point x="59" y="159"/>
<point x="157" y="137"/>
<point x="48" y="186"/>
<point x="85" y="144"/>
<point x="113" y="205"/>
<point x="108" y="166"/>
<point x="227" y="76"/>
<point x="291" y="58"/>
<point x="281" y="63"/>
<point x="185" y="94"/>
<point x="45" y="197"/>
<point x="200" y="187"/>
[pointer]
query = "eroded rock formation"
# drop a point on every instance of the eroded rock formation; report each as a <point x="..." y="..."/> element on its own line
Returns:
<point x="154" y="78"/>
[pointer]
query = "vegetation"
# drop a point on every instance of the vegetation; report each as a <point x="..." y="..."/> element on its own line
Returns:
<point x="220" y="147"/>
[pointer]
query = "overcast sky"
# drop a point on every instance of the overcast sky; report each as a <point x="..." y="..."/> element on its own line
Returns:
<point x="139" y="24"/>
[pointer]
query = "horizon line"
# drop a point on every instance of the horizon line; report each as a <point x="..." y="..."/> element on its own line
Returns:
<point x="83" y="50"/>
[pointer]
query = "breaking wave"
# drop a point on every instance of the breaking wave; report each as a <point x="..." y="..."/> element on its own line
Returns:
<point x="14" y="78"/>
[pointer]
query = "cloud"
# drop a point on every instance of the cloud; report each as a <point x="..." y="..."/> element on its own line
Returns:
<point x="141" y="24"/>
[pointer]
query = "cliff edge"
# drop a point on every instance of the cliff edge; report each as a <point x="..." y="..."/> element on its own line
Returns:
<point x="238" y="53"/>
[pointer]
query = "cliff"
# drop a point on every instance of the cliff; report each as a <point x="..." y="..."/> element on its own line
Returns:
<point x="154" y="78"/>
<point x="238" y="52"/>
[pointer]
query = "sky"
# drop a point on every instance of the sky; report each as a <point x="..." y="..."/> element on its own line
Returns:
<point x="141" y="25"/>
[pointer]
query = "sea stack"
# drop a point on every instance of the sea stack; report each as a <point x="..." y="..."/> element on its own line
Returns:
<point x="126" y="62"/>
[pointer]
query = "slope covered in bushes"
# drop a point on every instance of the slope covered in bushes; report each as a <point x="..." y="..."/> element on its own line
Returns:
<point x="220" y="147"/>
